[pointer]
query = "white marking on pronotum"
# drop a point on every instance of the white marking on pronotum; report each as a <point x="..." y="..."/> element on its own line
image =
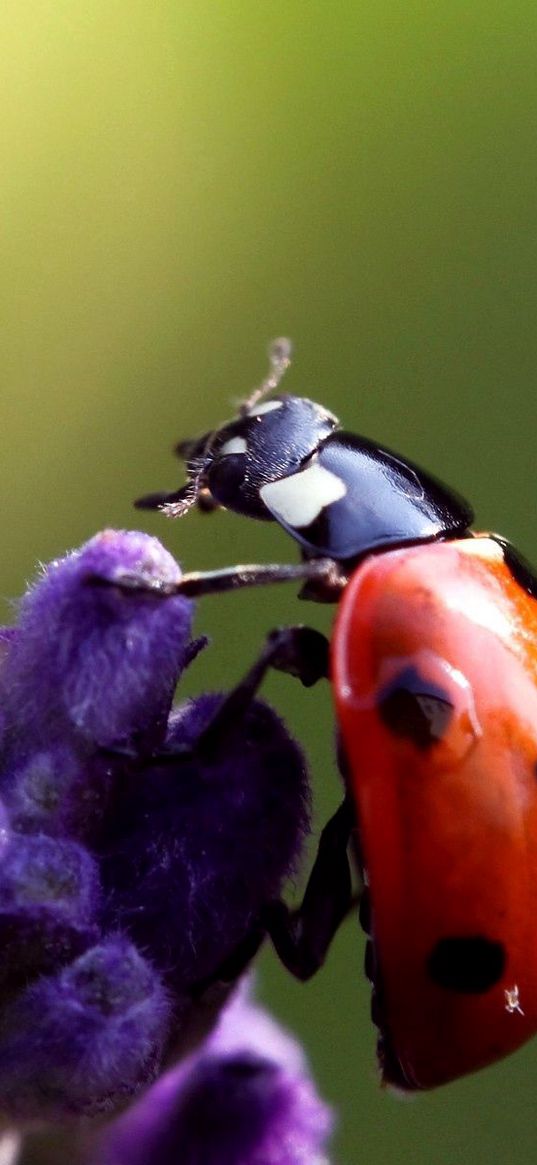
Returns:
<point x="234" y="445"/>
<point x="298" y="500"/>
<point x="267" y="407"/>
<point x="512" y="1000"/>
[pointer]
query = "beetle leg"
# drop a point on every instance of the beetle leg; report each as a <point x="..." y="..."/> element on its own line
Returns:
<point x="298" y="651"/>
<point x="302" y="937"/>
<point x="324" y="580"/>
<point x="237" y="962"/>
<point x="156" y="501"/>
<point x="323" y="573"/>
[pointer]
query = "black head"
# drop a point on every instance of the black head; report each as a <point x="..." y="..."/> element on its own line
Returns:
<point x="286" y="459"/>
<point x="269" y="440"/>
<point x="264" y="445"/>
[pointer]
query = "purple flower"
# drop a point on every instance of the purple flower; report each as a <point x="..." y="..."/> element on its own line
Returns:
<point x="58" y="790"/>
<point x="135" y="861"/>
<point x="85" y="1039"/>
<point x="50" y="901"/>
<point x="244" y="1098"/>
<point x="96" y="658"/>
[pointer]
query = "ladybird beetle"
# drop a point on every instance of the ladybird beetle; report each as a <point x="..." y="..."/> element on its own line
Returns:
<point x="433" y="662"/>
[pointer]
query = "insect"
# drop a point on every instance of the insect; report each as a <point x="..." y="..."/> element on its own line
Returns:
<point x="433" y="663"/>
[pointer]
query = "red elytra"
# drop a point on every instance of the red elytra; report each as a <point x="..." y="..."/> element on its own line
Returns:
<point x="447" y="821"/>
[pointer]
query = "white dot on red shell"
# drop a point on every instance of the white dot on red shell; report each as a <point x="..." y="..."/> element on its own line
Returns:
<point x="481" y="547"/>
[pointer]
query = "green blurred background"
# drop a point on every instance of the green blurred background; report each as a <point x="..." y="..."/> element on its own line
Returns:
<point x="181" y="181"/>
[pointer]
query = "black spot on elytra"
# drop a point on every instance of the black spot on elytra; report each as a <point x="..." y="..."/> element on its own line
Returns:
<point x="469" y="964"/>
<point x="521" y="570"/>
<point x="414" y="707"/>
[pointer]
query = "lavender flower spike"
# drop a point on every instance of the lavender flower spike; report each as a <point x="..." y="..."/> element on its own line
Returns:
<point x="139" y="846"/>
<point x="245" y="1098"/>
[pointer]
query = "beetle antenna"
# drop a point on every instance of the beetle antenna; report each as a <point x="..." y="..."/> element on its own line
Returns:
<point x="279" y="353"/>
<point x="189" y="494"/>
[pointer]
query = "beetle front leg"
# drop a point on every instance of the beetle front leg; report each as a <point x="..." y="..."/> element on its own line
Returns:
<point x="299" y="651"/>
<point x="301" y="937"/>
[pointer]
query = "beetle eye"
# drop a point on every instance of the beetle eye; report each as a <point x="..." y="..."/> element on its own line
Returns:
<point x="226" y="475"/>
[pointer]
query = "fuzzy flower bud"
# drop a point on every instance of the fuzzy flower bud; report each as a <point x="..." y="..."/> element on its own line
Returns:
<point x="96" y="656"/>
<point x="49" y="905"/>
<point x="245" y="1098"/>
<point x="85" y="1039"/>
